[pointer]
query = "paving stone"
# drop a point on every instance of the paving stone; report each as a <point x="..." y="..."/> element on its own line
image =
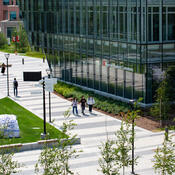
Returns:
<point x="92" y="129"/>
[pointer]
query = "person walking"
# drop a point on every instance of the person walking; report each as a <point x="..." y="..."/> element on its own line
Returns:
<point x="3" y="68"/>
<point x="83" y="104"/>
<point x="74" y="106"/>
<point x="90" y="102"/>
<point x="15" y="87"/>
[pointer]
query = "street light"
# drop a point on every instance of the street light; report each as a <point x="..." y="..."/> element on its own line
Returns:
<point x="7" y="55"/>
<point x="49" y="72"/>
<point x="132" y="101"/>
<point x="44" y="110"/>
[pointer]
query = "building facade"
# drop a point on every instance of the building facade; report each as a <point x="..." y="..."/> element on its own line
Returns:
<point x="9" y="16"/>
<point x="119" y="47"/>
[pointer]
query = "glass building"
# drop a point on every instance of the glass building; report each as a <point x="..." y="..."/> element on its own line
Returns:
<point x="120" y="47"/>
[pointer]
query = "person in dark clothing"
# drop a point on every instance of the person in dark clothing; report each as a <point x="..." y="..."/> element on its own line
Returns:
<point x="83" y="104"/>
<point x="3" y="68"/>
<point x="15" y="87"/>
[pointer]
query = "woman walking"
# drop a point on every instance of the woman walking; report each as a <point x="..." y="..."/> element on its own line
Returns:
<point x="83" y="104"/>
<point x="3" y="68"/>
<point x="74" y="106"/>
<point x="90" y="102"/>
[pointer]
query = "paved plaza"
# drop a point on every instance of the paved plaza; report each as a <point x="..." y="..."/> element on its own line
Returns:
<point x="91" y="128"/>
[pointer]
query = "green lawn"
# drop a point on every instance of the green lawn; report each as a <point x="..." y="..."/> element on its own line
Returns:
<point x="35" y="54"/>
<point x="30" y="125"/>
<point x="12" y="48"/>
<point x="8" y="49"/>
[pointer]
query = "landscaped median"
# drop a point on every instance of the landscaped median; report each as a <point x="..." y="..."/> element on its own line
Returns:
<point x="30" y="125"/>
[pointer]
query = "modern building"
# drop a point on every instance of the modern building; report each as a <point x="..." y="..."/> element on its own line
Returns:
<point x="9" y="16"/>
<point x="117" y="47"/>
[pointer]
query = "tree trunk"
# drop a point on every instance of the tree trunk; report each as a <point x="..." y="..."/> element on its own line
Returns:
<point x="161" y="120"/>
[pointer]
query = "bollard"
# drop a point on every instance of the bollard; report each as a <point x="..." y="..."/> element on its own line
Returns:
<point x="22" y="60"/>
<point x="166" y="132"/>
<point x="43" y="59"/>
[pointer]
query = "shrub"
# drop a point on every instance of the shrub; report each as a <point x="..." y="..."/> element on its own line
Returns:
<point x="102" y="103"/>
<point x="3" y="40"/>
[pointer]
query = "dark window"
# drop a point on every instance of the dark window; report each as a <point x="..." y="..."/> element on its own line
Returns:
<point x="171" y="27"/>
<point x="6" y="2"/>
<point x="12" y="15"/>
<point x="10" y="31"/>
<point x="156" y="27"/>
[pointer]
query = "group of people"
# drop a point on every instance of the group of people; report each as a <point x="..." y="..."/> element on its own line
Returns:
<point x="90" y="102"/>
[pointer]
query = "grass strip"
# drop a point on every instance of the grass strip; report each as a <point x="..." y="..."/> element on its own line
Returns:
<point x="30" y="125"/>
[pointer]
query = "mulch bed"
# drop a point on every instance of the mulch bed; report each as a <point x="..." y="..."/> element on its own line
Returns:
<point x="146" y="122"/>
<point x="143" y="122"/>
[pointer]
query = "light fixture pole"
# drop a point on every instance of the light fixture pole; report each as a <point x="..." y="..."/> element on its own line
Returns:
<point x="49" y="74"/>
<point x="44" y="107"/>
<point x="132" y="108"/>
<point x="7" y="55"/>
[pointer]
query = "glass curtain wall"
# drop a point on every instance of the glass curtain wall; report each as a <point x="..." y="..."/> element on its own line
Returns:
<point x="120" y="47"/>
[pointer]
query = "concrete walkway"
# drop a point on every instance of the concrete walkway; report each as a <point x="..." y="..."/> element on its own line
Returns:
<point x="91" y="128"/>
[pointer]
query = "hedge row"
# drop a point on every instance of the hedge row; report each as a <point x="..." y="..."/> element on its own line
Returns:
<point x="103" y="103"/>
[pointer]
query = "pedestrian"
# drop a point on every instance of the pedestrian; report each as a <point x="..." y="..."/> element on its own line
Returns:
<point x="3" y="68"/>
<point x="90" y="102"/>
<point x="74" y="106"/>
<point x="15" y="87"/>
<point x="83" y="104"/>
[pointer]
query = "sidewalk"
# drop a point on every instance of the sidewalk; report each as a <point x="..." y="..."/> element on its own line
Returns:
<point x="91" y="128"/>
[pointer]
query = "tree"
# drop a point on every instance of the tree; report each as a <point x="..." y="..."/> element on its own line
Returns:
<point x="3" y="40"/>
<point x="124" y="146"/>
<point x="162" y="106"/>
<point x="170" y="79"/>
<point x="164" y="158"/>
<point x="7" y="165"/>
<point x="107" y="161"/>
<point x="55" y="161"/>
<point x="23" y="44"/>
<point x="165" y="95"/>
<point x="116" y="153"/>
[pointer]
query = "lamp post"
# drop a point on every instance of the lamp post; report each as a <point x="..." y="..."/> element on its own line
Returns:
<point x="132" y="108"/>
<point x="49" y="72"/>
<point x="44" y="108"/>
<point x="7" y="55"/>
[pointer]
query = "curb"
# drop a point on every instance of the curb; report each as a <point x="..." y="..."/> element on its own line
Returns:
<point x="35" y="145"/>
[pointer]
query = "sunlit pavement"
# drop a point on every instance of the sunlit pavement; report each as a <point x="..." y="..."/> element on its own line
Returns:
<point x="91" y="128"/>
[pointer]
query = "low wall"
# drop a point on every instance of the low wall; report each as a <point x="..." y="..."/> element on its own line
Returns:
<point x="34" y="145"/>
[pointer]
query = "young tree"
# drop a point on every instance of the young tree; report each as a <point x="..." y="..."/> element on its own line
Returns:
<point x="162" y="105"/>
<point x="23" y="40"/>
<point x="22" y="45"/>
<point x="3" y="40"/>
<point x="107" y="162"/>
<point x="55" y="161"/>
<point x="7" y="164"/>
<point x="164" y="158"/>
<point x="116" y="153"/>
<point x="124" y="146"/>
<point x="165" y="96"/>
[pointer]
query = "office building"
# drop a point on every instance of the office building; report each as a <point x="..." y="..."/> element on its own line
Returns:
<point x="117" y="47"/>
